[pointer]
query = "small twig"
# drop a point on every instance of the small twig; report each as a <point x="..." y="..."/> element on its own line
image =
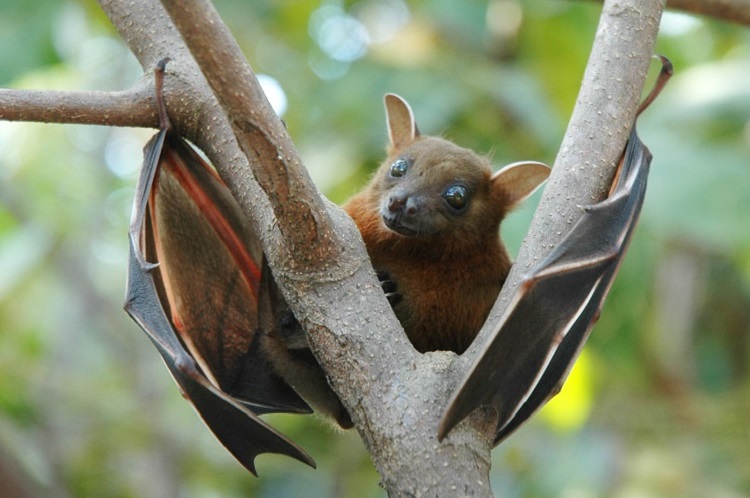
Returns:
<point x="736" y="11"/>
<point x="132" y="107"/>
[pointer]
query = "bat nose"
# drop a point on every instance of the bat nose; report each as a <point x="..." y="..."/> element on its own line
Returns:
<point x="396" y="202"/>
<point x="401" y="203"/>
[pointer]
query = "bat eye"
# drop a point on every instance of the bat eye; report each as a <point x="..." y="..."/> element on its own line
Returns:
<point x="456" y="196"/>
<point x="398" y="168"/>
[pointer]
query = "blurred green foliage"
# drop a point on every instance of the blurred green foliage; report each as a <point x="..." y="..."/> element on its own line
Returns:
<point x="661" y="402"/>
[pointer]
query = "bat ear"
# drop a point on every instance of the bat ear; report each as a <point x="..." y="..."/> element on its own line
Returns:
<point x="519" y="180"/>
<point x="402" y="128"/>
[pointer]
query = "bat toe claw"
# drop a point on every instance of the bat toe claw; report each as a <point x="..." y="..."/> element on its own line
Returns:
<point x="389" y="286"/>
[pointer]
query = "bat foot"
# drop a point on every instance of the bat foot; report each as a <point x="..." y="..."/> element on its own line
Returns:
<point x="390" y="288"/>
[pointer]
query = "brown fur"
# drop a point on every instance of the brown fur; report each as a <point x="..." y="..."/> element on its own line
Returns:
<point x="450" y="276"/>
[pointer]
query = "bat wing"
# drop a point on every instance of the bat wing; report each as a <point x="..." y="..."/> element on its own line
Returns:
<point x="543" y="329"/>
<point x="195" y="285"/>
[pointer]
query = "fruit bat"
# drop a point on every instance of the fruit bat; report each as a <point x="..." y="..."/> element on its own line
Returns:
<point x="541" y="332"/>
<point x="186" y="229"/>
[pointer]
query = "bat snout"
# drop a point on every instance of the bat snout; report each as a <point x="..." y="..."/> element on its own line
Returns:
<point x="405" y="205"/>
<point x="402" y="213"/>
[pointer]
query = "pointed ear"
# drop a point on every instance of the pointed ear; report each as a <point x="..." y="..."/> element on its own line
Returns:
<point x="519" y="180"/>
<point x="402" y="128"/>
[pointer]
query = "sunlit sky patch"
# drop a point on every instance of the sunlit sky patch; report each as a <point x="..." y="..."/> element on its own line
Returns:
<point x="274" y="93"/>
<point x="346" y="36"/>
<point x="677" y="23"/>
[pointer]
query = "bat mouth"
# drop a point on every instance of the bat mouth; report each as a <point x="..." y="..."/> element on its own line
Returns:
<point x="396" y="224"/>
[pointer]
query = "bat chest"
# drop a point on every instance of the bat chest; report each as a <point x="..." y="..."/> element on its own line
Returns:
<point x="444" y="305"/>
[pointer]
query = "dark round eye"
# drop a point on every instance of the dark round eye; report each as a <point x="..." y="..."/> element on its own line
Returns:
<point x="456" y="196"/>
<point x="398" y="168"/>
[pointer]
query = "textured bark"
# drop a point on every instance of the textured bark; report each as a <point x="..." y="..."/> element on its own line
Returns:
<point x="130" y="108"/>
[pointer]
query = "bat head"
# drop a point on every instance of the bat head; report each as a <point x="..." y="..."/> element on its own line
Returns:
<point x="432" y="187"/>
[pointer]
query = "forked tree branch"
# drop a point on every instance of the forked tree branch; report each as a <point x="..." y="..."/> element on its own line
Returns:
<point x="395" y="395"/>
<point x="358" y="340"/>
<point x="376" y="372"/>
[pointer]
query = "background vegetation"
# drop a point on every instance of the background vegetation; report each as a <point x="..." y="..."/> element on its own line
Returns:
<point x="658" y="405"/>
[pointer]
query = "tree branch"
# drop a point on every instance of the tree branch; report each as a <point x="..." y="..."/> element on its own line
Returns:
<point x="133" y="107"/>
<point x="737" y="11"/>
<point x="598" y="130"/>
<point x="302" y="218"/>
